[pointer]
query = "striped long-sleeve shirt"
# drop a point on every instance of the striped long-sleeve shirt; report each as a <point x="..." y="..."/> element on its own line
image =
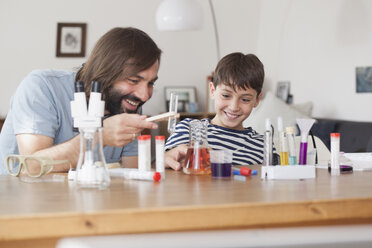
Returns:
<point x="247" y="145"/>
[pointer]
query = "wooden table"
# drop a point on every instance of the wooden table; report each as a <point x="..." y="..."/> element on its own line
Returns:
<point x="41" y="213"/>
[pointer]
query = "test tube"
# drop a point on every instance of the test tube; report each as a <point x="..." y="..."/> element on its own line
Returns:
<point x="159" y="149"/>
<point x="129" y="173"/>
<point x="335" y="154"/>
<point x="144" y="152"/>
<point x="268" y="144"/>
<point x="283" y="143"/>
<point x="173" y="104"/>
<point x="292" y="159"/>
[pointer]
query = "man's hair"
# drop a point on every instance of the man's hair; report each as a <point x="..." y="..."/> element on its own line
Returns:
<point x="240" y="71"/>
<point x="118" y="54"/>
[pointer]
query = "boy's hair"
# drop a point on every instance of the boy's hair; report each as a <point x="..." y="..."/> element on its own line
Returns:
<point x="119" y="54"/>
<point x="237" y="70"/>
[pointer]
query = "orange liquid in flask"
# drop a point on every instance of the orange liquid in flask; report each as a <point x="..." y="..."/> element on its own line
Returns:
<point x="197" y="161"/>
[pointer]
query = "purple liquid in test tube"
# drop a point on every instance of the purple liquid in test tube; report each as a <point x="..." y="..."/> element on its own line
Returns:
<point x="303" y="151"/>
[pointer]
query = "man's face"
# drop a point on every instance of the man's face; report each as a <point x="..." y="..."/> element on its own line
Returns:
<point x="127" y="95"/>
<point x="233" y="107"/>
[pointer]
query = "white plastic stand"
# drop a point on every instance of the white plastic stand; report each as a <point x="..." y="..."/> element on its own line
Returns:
<point x="288" y="172"/>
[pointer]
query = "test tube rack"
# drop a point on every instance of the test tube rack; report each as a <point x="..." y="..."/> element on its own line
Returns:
<point x="288" y="172"/>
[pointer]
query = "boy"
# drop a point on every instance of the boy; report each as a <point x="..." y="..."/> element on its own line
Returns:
<point x="236" y="90"/>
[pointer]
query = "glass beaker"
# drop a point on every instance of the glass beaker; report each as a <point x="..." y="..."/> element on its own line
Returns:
<point x="91" y="171"/>
<point x="197" y="157"/>
<point x="221" y="161"/>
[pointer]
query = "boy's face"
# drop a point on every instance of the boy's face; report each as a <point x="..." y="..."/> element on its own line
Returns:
<point x="232" y="107"/>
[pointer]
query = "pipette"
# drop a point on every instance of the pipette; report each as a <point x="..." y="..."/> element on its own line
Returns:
<point x="163" y="116"/>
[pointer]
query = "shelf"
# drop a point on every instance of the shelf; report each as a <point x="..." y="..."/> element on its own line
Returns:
<point x="198" y="115"/>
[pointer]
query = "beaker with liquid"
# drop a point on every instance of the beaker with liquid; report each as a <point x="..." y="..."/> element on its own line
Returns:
<point x="221" y="161"/>
<point x="197" y="159"/>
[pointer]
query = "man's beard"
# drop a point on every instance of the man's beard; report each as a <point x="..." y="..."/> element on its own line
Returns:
<point x="114" y="103"/>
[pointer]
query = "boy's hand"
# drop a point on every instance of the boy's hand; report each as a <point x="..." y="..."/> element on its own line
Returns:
<point x="174" y="158"/>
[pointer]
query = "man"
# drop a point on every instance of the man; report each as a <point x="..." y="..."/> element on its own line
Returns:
<point x="39" y="122"/>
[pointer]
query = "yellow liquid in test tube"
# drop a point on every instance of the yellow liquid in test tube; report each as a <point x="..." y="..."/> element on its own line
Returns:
<point x="284" y="158"/>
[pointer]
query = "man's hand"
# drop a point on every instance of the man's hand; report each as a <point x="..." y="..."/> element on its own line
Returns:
<point x="119" y="130"/>
<point x="174" y="158"/>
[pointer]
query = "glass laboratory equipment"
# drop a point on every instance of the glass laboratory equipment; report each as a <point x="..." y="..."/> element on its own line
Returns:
<point x="197" y="159"/>
<point x="221" y="162"/>
<point x="91" y="171"/>
<point x="173" y="106"/>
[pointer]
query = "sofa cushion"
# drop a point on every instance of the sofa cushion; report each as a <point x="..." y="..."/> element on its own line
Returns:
<point x="322" y="129"/>
<point x="355" y="136"/>
<point x="273" y="107"/>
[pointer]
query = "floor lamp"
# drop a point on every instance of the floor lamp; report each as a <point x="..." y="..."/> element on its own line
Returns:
<point x="178" y="15"/>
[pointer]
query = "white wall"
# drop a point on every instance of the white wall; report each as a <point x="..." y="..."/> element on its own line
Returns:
<point x="316" y="45"/>
<point x="313" y="43"/>
<point x="28" y="41"/>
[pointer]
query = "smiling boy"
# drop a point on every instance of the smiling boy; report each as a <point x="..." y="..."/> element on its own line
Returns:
<point x="236" y="90"/>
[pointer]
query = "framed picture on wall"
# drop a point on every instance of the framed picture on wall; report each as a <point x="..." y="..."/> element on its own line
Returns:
<point x="282" y="90"/>
<point x="71" y="39"/>
<point x="363" y="79"/>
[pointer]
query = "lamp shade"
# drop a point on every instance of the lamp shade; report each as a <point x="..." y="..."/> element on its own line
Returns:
<point x="173" y="15"/>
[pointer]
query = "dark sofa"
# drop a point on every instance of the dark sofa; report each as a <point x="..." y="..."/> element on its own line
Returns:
<point x="355" y="136"/>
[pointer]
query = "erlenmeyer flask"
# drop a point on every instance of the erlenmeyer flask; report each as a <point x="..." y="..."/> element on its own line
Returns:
<point x="91" y="171"/>
<point x="197" y="156"/>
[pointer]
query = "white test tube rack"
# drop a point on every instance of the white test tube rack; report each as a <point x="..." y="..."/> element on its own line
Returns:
<point x="288" y="172"/>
